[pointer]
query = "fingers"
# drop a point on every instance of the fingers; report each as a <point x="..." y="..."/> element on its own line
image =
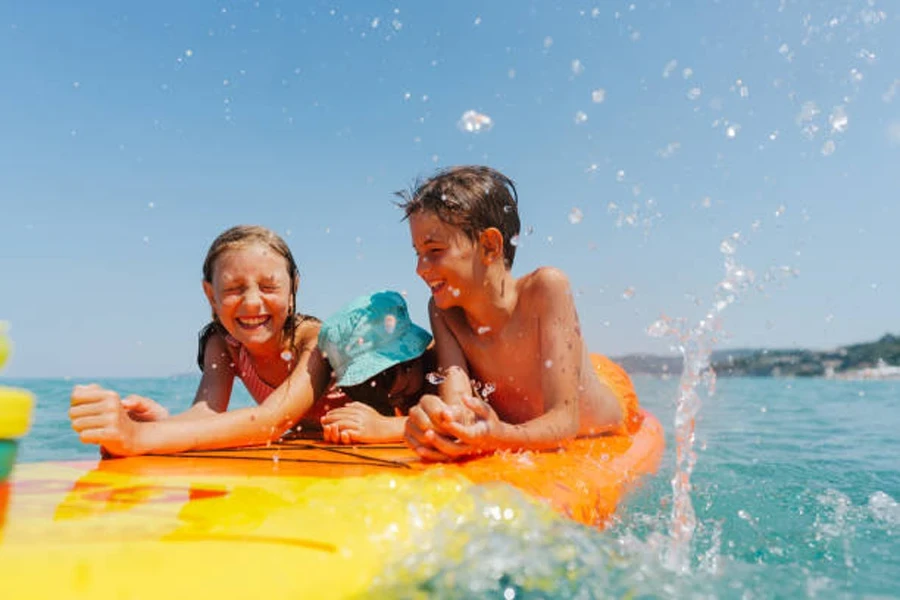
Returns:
<point x="425" y="452"/>
<point x="90" y="422"/>
<point x="450" y="447"/>
<point x="86" y="394"/>
<point x="478" y="406"/>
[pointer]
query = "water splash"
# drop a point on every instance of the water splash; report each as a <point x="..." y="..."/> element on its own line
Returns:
<point x="695" y="344"/>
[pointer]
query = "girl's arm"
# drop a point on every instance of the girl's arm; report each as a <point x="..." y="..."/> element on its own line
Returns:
<point x="214" y="392"/>
<point x="99" y="418"/>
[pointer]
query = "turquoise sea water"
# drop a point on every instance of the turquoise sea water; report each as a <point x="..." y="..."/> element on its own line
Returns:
<point x="796" y="493"/>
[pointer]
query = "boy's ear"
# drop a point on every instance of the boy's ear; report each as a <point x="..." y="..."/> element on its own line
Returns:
<point x="208" y="290"/>
<point x="491" y="245"/>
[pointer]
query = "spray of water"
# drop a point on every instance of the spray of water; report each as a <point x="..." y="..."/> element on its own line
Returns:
<point x="695" y="344"/>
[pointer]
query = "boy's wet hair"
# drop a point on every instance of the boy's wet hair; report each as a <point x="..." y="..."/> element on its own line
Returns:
<point x="472" y="198"/>
<point x="242" y="236"/>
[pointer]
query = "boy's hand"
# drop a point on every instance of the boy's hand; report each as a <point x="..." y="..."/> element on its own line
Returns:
<point x="427" y="430"/>
<point x="144" y="409"/>
<point x="353" y="422"/>
<point x="98" y="416"/>
<point x="478" y="432"/>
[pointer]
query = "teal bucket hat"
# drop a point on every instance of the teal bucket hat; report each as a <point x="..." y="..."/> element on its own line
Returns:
<point x="370" y="334"/>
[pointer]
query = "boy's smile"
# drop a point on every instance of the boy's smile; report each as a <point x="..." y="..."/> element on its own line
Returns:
<point x="445" y="258"/>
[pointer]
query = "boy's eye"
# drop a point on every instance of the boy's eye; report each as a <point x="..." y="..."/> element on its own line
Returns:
<point x="269" y="289"/>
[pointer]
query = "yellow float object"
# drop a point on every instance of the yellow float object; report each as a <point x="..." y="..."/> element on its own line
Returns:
<point x="299" y="519"/>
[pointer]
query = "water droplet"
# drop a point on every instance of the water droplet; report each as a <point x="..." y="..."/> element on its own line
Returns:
<point x="483" y="330"/>
<point x="514" y="240"/>
<point x="774" y="135"/>
<point x="659" y="328"/>
<point x="620" y="175"/>
<point x="390" y="324"/>
<point x="828" y="148"/>
<point x="706" y="202"/>
<point x="76" y="84"/>
<point x="146" y="239"/>
<point x="598" y="96"/>
<point x="580" y="117"/>
<point x="732" y="130"/>
<point x="397" y="25"/>
<point x="727" y="247"/>
<point x="780" y="210"/>
<point x="575" y="216"/>
<point x="548" y="363"/>
<point x="687" y="73"/>
<point x="477" y="21"/>
<point x="577" y="67"/>
<point x="628" y="293"/>
<point x="455" y="292"/>
<point x="188" y="53"/>
<point x="474" y="122"/>
<point x="548" y="41"/>
<point x="838" y="120"/>
<point x="669" y="68"/>
<point x="509" y="594"/>
<point x="150" y="205"/>
<point x="435" y="378"/>
<point x="694" y="93"/>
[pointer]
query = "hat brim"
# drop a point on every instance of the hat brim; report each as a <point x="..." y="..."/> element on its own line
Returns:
<point x="411" y="345"/>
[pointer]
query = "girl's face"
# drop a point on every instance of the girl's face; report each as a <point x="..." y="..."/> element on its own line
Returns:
<point x="251" y="294"/>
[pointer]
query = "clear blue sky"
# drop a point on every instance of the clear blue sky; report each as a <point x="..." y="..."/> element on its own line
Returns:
<point x="133" y="133"/>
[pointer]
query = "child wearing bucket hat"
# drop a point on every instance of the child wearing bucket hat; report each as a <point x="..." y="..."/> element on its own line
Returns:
<point x="379" y="358"/>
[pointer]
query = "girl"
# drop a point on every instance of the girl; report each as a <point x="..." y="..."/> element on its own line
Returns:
<point x="250" y="279"/>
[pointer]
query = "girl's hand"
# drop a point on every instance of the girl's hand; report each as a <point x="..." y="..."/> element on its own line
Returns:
<point x="355" y="422"/>
<point x="98" y="416"/>
<point x="144" y="409"/>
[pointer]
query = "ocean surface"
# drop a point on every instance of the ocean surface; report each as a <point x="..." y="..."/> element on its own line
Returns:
<point x="795" y="490"/>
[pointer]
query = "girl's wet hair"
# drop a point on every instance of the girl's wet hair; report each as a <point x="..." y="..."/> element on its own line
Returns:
<point x="472" y="198"/>
<point x="243" y="236"/>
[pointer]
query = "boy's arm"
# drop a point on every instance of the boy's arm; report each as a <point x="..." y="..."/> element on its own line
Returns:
<point x="560" y="360"/>
<point x="107" y="423"/>
<point x="427" y="429"/>
<point x="451" y="360"/>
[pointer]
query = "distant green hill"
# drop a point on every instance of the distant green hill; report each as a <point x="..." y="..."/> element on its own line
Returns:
<point x="774" y="363"/>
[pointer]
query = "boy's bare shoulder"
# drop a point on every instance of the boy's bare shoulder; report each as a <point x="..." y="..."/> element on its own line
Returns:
<point x="545" y="282"/>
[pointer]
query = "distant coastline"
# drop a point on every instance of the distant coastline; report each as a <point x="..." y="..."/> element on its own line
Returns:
<point x="878" y="360"/>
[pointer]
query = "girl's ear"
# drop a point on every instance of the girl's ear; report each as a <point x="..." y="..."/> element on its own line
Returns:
<point x="491" y="241"/>
<point x="210" y="295"/>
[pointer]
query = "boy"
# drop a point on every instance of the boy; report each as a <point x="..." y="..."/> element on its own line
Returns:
<point x="520" y="336"/>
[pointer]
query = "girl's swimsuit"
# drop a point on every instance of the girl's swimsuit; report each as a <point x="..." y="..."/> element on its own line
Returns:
<point x="244" y="369"/>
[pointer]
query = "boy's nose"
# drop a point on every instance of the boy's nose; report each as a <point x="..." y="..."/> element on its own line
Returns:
<point x="422" y="266"/>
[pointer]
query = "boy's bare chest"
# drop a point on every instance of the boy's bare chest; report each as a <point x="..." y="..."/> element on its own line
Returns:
<point x="510" y="363"/>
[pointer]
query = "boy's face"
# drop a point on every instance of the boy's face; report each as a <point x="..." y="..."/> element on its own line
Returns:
<point x="447" y="259"/>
